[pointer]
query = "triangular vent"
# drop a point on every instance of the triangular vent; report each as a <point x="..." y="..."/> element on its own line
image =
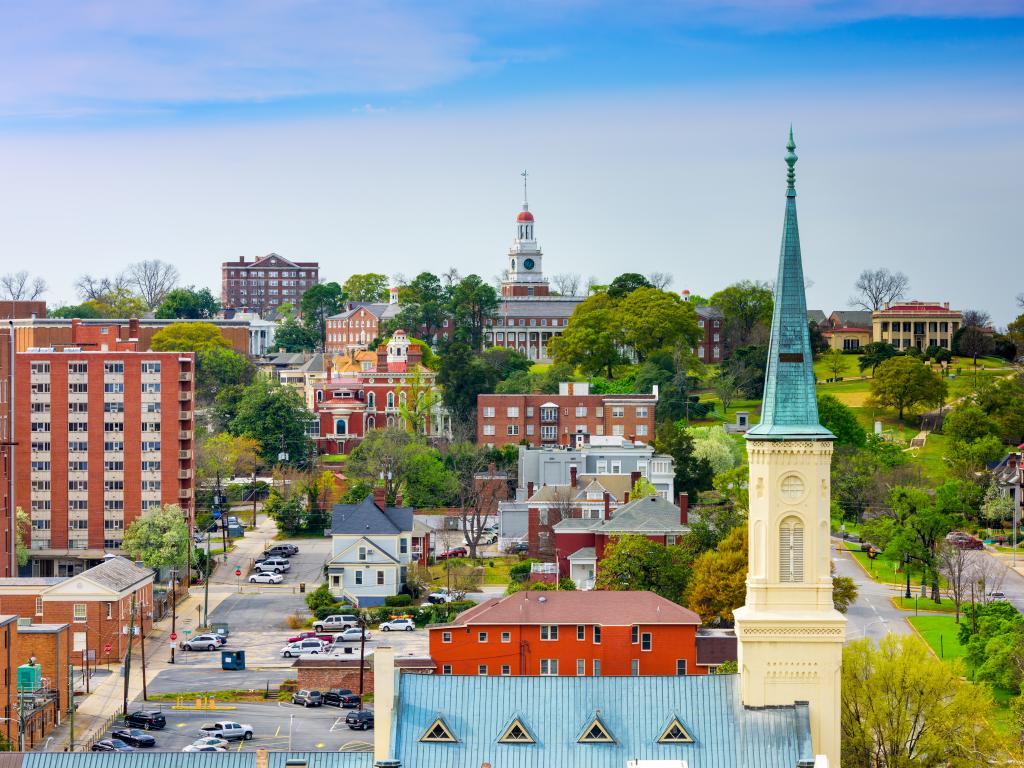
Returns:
<point x="595" y="733"/>
<point x="516" y="733"/>
<point x="438" y="732"/>
<point x="675" y="733"/>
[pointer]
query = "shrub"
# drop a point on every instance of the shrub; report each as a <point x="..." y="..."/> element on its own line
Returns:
<point x="320" y="598"/>
<point x="295" y="621"/>
<point x="521" y="570"/>
<point x="567" y="585"/>
<point x="398" y="601"/>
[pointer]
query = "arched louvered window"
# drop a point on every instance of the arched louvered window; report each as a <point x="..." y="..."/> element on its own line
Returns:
<point x="791" y="550"/>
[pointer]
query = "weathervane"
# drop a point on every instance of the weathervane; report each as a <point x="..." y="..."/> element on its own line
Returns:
<point x="524" y="174"/>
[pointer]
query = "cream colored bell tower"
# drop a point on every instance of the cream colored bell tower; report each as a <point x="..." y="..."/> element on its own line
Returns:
<point x="790" y="634"/>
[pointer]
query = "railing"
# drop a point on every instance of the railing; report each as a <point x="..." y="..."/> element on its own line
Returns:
<point x="184" y="474"/>
<point x="183" y="396"/>
<point x="185" y="493"/>
<point x="185" y="434"/>
<point x="544" y="568"/>
<point x="184" y="455"/>
<point x="184" y="377"/>
<point x="184" y="415"/>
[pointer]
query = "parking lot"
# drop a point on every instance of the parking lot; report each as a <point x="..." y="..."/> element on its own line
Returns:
<point x="277" y="726"/>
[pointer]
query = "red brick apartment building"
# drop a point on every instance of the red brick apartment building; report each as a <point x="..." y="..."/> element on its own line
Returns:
<point x="547" y="420"/>
<point x="46" y="703"/>
<point x="569" y="633"/>
<point x="102" y="436"/>
<point x="264" y="284"/>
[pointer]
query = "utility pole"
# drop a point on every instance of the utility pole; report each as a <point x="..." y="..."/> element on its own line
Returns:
<point x="252" y="491"/>
<point x="128" y="655"/>
<point x="362" y="656"/>
<point x="71" y="706"/>
<point x="11" y="508"/>
<point x="174" y="609"/>
<point x="142" y="648"/>
<point x="206" y="582"/>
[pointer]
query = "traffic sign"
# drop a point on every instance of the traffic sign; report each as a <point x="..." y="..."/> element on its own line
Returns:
<point x="216" y="514"/>
<point x="174" y="635"/>
<point x="188" y="632"/>
<point x="237" y="572"/>
<point x="106" y="649"/>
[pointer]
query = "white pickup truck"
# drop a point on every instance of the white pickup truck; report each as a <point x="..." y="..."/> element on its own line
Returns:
<point x="227" y="730"/>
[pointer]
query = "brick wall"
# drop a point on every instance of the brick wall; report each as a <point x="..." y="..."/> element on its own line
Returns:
<point x="322" y="678"/>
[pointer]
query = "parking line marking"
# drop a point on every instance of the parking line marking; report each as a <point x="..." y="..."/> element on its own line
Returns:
<point x="277" y="731"/>
<point x="338" y="723"/>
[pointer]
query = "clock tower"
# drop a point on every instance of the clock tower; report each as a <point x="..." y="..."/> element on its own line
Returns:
<point x="525" y="276"/>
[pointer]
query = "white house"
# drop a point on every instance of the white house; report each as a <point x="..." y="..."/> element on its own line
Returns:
<point x="371" y="548"/>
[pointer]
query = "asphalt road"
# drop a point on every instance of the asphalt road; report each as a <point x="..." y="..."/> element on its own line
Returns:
<point x="315" y="728"/>
<point x="872" y="614"/>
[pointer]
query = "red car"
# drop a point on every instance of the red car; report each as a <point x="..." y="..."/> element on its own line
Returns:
<point x="307" y="635"/>
<point x="454" y="552"/>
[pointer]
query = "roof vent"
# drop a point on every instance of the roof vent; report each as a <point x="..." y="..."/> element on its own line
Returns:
<point x="542" y="599"/>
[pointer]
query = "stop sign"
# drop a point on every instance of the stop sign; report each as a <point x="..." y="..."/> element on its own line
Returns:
<point x="237" y="572"/>
<point x="106" y="648"/>
<point x="174" y="635"/>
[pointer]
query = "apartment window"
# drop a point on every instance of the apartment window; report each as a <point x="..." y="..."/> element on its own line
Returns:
<point x="506" y="670"/>
<point x="529" y="429"/>
<point x="680" y="666"/>
<point x="78" y="485"/>
<point x="39" y="606"/>
<point x="78" y="466"/>
<point x="40" y="408"/>
<point x="513" y="430"/>
<point x="113" y="426"/>
<point x="549" y="632"/>
<point x="488" y="412"/>
<point x="40" y="466"/>
<point x="113" y="446"/>
<point x="616" y="467"/>
<point x="80" y="614"/>
<point x="41" y="367"/>
<point x="617" y="430"/>
<point x="113" y="485"/>
<point x="40" y="388"/>
<point x="597" y="635"/>
<point x="506" y="637"/>
<point x="581" y="410"/>
<point x="512" y="412"/>
<point x="113" y="366"/>
<point x="548" y="667"/>
<point x="113" y="505"/>
<point x="78" y="426"/>
<point x="645" y="641"/>
<point x="634" y="667"/>
<point x="113" y="387"/>
<point x="581" y="632"/>
<point x="597" y="667"/>
<point x="481" y="669"/>
<point x="581" y="667"/>
<point x="113" y="525"/>
<point x="618" y="411"/>
<point x="446" y="637"/>
<point x="150" y="387"/>
<point x="641" y="412"/>
<point x="151" y="367"/>
<point x="481" y="637"/>
<point x="78" y="525"/>
<point x="80" y="445"/>
<point x="634" y="635"/>
<point x="488" y="429"/>
<point x="78" y="367"/>
<point x="446" y="669"/>
<point x="641" y="430"/>
<point x="41" y="445"/>
<point x="110" y="407"/>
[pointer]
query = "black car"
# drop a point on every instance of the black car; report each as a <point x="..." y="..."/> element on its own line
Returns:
<point x="519" y="548"/>
<point x="147" y="719"/>
<point x="359" y="721"/>
<point x="308" y="698"/>
<point x="111" y="745"/>
<point x="334" y="696"/>
<point x="133" y="737"/>
<point x="350" y="700"/>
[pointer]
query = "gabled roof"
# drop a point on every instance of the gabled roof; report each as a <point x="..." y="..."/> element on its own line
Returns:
<point x="707" y="312"/>
<point x="634" y="710"/>
<point x="366" y="519"/>
<point x="852" y="318"/>
<point x="116" y="573"/>
<point x="340" y="557"/>
<point x="816" y="316"/>
<point x="650" y="514"/>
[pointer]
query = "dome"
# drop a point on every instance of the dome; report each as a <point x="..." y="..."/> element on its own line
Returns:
<point x="525" y="216"/>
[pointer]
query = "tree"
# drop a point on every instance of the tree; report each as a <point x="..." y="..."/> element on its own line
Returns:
<point x="967" y="423"/>
<point x="652" y="320"/>
<point x="642" y="489"/>
<point x="714" y="445"/>
<point x="567" y="283"/>
<point x="844" y="593"/>
<point x="819" y="344"/>
<point x="385" y="457"/>
<point x="635" y="563"/>
<point x="370" y="287"/>
<point x="91" y="288"/>
<point x="726" y="387"/>
<point x="997" y="507"/>
<point x="21" y="286"/>
<point x="429" y="483"/>
<point x="188" y="304"/>
<point x="839" y="419"/>
<point x="902" y="708"/>
<point x="874" y="354"/>
<point x="626" y="283"/>
<point x="120" y="304"/>
<point x="835" y="363"/>
<point x="921" y="525"/>
<point x="904" y="382"/>
<point x="318" y="303"/>
<point x="276" y="416"/>
<point x="472" y="304"/>
<point x="660" y="280"/>
<point x="82" y="311"/>
<point x="476" y="491"/>
<point x="225" y="455"/>
<point x="218" y="368"/>
<point x="423" y="306"/>
<point x="877" y="288"/>
<point x="592" y="339"/>
<point x="292" y="336"/>
<point x="464" y="376"/>
<point x="693" y="474"/>
<point x="159" y="539"/>
<point x="189" y="337"/>
<point x="24" y="539"/>
<point x="973" y="342"/>
<point x="747" y="312"/>
<point x="956" y="566"/>
<point x="718" y="579"/>
<point x="506" y="361"/>
<point x="975" y="318"/>
<point x="153" y="279"/>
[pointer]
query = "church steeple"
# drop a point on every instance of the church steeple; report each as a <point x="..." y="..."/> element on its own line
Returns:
<point x="790" y="403"/>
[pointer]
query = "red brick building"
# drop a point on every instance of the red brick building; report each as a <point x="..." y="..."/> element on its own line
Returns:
<point x="569" y="633"/>
<point x="49" y="646"/>
<point x="98" y="334"/>
<point x="539" y="419"/>
<point x="264" y="284"/>
<point x="711" y="345"/>
<point x="359" y="324"/>
<point x="102" y="436"/>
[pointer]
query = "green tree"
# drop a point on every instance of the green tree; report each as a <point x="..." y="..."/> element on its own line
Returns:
<point x="747" y="312"/>
<point x="718" y="579"/>
<point x="389" y="452"/>
<point x="464" y="376"/>
<point x="226" y="455"/>
<point x="188" y="303"/>
<point x="424" y="306"/>
<point x="506" y="361"/>
<point x="922" y="525"/>
<point x="642" y="488"/>
<point x="693" y="474"/>
<point x="472" y="304"/>
<point x="85" y="311"/>
<point x="967" y="423"/>
<point x="158" y="539"/>
<point x="839" y="419"/>
<point x="626" y="283"/>
<point x="874" y="354"/>
<point x="904" y="382"/>
<point x="189" y="337"/>
<point x="714" y="445"/>
<point x="292" y="336"/>
<point x="635" y="563"/>
<point x="904" y="708"/>
<point x="592" y="339"/>
<point x="819" y="344"/>
<point x="318" y="303"/>
<point x="370" y="287"/>
<point x="844" y="593"/>
<point x="1001" y="400"/>
<point x="652" y="320"/>
<point x="429" y="483"/>
<point x="24" y="539"/>
<point x="276" y="416"/>
<point x="218" y="368"/>
<point x="835" y="362"/>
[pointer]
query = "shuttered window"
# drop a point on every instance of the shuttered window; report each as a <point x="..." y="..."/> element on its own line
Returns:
<point x="791" y="551"/>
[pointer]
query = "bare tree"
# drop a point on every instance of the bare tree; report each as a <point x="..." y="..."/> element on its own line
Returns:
<point x="878" y="287"/>
<point x="567" y="283"/>
<point x="398" y="279"/>
<point x="660" y="280"/>
<point x="958" y="566"/>
<point x="21" y="286"/>
<point x="92" y="288"/>
<point x="975" y="318"/>
<point x="1020" y="299"/>
<point x="476" y="499"/>
<point x="451" y="277"/>
<point x="152" y="279"/>
<point x="989" y="575"/>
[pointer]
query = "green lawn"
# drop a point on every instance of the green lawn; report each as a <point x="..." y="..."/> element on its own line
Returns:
<point x="881" y="569"/>
<point x="822" y="370"/>
<point x="916" y="603"/>
<point x="493" y="574"/>
<point x="941" y="634"/>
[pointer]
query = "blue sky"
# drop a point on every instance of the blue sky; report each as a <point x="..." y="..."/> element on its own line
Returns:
<point x="389" y="136"/>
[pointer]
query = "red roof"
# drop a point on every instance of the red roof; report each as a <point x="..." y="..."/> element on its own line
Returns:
<point x="917" y="308"/>
<point x="525" y="216"/>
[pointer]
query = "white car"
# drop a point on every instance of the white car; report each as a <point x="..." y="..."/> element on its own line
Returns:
<point x="398" y="625"/>
<point x="309" y="645"/>
<point x="351" y="634"/>
<point x="209" y="741"/>
<point x="203" y="748"/>
<point x="266" y="578"/>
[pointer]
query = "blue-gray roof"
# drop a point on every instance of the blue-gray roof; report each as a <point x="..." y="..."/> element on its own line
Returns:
<point x="366" y="519"/>
<point x="635" y="710"/>
<point x="230" y="759"/>
<point x="790" y="408"/>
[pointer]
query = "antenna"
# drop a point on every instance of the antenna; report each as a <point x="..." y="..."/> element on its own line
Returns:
<point x="524" y="174"/>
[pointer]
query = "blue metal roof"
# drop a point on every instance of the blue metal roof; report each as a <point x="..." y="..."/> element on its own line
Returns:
<point x="790" y="407"/>
<point x="634" y="710"/>
<point x="230" y="759"/>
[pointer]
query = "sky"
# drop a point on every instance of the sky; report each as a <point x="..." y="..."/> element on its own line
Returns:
<point x="389" y="137"/>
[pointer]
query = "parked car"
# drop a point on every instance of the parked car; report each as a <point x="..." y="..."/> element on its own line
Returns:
<point x="147" y="719"/>
<point x="486" y="537"/>
<point x="333" y="696"/>
<point x="963" y="540"/>
<point x="266" y="577"/>
<point x="311" y="636"/>
<point x="133" y="737"/>
<point x="311" y="645"/>
<point x="441" y="596"/>
<point x="398" y="625"/>
<point x="335" y="623"/>
<point x="281" y="550"/>
<point x="203" y="748"/>
<point x="359" y="721"/>
<point x="210" y="642"/>
<point x="454" y="552"/>
<point x="997" y="596"/>
<point x="350" y="700"/>
<point x="111" y="745"/>
<point x="352" y="634"/>
<point x="210" y="741"/>
<point x="519" y="548"/>
<point x="275" y="564"/>
<point x="308" y="698"/>
<point x="227" y="729"/>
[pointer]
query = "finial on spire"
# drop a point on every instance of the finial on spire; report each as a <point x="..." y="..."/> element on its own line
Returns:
<point x="791" y="159"/>
<point x="524" y="174"/>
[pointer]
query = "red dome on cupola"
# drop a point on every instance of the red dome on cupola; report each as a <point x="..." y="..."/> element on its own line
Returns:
<point x="525" y="216"/>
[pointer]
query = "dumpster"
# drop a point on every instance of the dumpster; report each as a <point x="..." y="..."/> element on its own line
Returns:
<point x="221" y="628"/>
<point x="232" y="659"/>
<point x="302" y="587"/>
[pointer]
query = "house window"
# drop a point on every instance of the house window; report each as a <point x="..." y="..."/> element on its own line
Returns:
<point x="581" y="410"/>
<point x="617" y="430"/>
<point x="481" y="637"/>
<point x="581" y="632"/>
<point x="481" y="669"/>
<point x="618" y="411"/>
<point x="597" y="667"/>
<point x="79" y="614"/>
<point x="680" y="666"/>
<point x="512" y="412"/>
<point x="335" y="580"/>
<point x="506" y="670"/>
<point x="645" y="641"/>
<point x="362" y="553"/>
<point x="513" y="429"/>
<point x="548" y="667"/>
<point x="791" y="551"/>
<point x="581" y="667"/>
<point x="506" y="637"/>
<point x="403" y="546"/>
<point x="597" y="635"/>
<point x="634" y="667"/>
<point x="446" y="637"/>
<point x="380" y="578"/>
<point x="674" y="733"/>
<point x="489" y="412"/>
<point x="39" y="606"/>
<point x="446" y="669"/>
<point x="641" y="430"/>
<point x="596" y="733"/>
<point x="634" y="635"/>
<point x="549" y="632"/>
<point x="359" y="577"/>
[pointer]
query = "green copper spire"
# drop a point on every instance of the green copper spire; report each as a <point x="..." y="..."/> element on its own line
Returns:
<point x="790" y="407"/>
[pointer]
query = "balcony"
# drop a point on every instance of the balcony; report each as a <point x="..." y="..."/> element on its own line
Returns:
<point x="185" y="434"/>
<point x="184" y="376"/>
<point x="185" y="455"/>
<point x="184" y="415"/>
<point x="184" y="493"/>
<point x="184" y="474"/>
<point x="184" y="396"/>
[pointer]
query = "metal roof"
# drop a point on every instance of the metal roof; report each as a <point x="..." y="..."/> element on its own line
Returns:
<point x="153" y="759"/>
<point x="117" y="573"/>
<point x="635" y="710"/>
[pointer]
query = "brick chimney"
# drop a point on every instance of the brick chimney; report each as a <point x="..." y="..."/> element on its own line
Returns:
<point x="572" y="476"/>
<point x="382" y="359"/>
<point x="398" y="499"/>
<point x="262" y="758"/>
<point x="625" y="498"/>
<point x="328" y="365"/>
<point x="684" y="507"/>
<point x="633" y="477"/>
<point x="380" y="498"/>
<point x="75" y="322"/>
<point x="414" y="355"/>
<point x="529" y="489"/>
<point x="607" y="506"/>
<point x="133" y="328"/>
